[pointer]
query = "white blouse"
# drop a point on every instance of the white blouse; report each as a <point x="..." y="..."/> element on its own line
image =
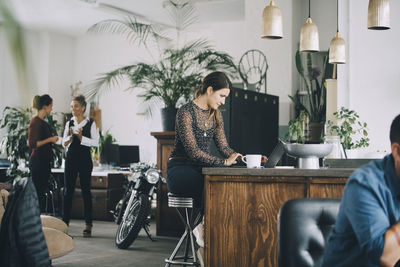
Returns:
<point x="86" y="141"/>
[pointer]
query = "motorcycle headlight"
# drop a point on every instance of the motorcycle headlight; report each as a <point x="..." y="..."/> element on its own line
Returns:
<point x="135" y="175"/>
<point x="152" y="176"/>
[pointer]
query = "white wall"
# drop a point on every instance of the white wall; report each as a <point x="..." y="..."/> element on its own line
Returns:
<point x="102" y="53"/>
<point x="367" y="83"/>
<point x="374" y="75"/>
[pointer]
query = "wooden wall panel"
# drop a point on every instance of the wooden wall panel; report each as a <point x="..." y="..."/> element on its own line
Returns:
<point x="244" y="219"/>
<point x="241" y="215"/>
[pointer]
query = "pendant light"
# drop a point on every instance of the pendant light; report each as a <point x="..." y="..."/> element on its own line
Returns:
<point x="337" y="48"/>
<point x="378" y="15"/>
<point x="309" y="39"/>
<point x="272" y="22"/>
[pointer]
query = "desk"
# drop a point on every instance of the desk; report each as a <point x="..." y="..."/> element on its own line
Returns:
<point x="167" y="219"/>
<point x="242" y="206"/>
<point x="106" y="191"/>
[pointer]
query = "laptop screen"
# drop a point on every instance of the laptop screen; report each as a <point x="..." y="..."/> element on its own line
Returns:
<point x="276" y="155"/>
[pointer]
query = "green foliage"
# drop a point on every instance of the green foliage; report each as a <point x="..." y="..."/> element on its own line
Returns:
<point x="14" y="36"/>
<point x="297" y="128"/>
<point x="179" y="71"/>
<point x="316" y="90"/>
<point x="105" y="140"/>
<point x="348" y="127"/>
<point x="15" y="142"/>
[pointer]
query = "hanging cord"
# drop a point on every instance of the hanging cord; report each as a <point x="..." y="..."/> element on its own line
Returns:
<point x="309" y="8"/>
<point x="337" y="15"/>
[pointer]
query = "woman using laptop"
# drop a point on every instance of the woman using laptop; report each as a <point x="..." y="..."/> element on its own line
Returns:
<point x="198" y="123"/>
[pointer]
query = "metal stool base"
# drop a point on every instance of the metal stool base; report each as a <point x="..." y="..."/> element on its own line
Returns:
<point x="187" y="237"/>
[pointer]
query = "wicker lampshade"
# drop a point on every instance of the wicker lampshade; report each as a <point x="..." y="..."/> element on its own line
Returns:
<point x="378" y="15"/>
<point x="309" y="38"/>
<point x="337" y="50"/>
<point x="272" y="22"/>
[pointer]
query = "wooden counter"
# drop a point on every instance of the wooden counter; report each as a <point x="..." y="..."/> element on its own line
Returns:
<point x="242" y="206"/>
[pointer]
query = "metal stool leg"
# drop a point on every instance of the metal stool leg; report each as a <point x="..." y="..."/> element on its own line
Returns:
<point x="188" y="220"/>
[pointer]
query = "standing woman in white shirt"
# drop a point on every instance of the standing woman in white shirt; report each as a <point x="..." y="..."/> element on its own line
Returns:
<point x="79" y="135"/>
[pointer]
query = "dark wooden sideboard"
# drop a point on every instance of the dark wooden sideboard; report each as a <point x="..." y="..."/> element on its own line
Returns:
<point x="167" y="219"/>
<point x="242" y="207"/>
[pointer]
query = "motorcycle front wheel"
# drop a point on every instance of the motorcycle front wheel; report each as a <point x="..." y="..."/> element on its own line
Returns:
<point x="129" y="228"/>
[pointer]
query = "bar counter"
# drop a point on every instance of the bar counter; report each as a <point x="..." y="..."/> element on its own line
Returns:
<point x="242" y="207"/>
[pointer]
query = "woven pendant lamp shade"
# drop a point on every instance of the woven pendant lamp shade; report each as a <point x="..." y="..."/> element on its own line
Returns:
<point x="378" y="15"/>
<point x="309" y="38"/>
<point x="272" y="22"/>
<point x="337" y="50"/>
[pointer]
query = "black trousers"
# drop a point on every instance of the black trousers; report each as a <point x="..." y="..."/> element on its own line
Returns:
<point x="73" y="167"/>
<point x="186" y="179"/>
<point x="40" y="173"/>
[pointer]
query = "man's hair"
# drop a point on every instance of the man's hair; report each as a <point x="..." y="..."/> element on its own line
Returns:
<point x="395" y="130"/>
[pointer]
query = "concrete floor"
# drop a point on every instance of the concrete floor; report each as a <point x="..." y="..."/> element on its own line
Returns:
<point x="100" y="249"/>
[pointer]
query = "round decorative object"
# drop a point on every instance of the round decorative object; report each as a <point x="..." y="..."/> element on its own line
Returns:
<point x="308" y="154"/>
<point x="253" y="68"/>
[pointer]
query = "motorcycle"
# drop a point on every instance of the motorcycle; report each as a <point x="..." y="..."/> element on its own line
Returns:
<point x="132" y="212"/>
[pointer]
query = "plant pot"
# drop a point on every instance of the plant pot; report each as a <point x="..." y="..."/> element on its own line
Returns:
<point x="315" y="132"/>
<point x="168" y="116"/>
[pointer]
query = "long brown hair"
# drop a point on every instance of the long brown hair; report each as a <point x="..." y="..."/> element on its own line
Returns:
<point x="217" y="80"/>
<point x="41" y="100"/>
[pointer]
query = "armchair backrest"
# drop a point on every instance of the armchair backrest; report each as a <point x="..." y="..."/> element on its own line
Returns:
<point x="304" y="226"/>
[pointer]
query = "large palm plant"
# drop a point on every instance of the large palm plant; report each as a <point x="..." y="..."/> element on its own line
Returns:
<point x="14" y="36"/>
<point x="178" y="71"/>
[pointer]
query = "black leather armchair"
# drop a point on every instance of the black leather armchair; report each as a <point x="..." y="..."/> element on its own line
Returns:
<point x="303" y="227"/>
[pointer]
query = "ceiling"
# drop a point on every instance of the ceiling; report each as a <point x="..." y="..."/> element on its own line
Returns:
<point x="74" y="17"/>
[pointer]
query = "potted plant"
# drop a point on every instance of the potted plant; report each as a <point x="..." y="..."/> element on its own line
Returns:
<point x="352" y="132"/>
<point x="104" y="149"/>
<point x="314" y="81"/>
<point x="298" y="128"/>
<point x="15" y="142"/>
<point x="176" y="74"/>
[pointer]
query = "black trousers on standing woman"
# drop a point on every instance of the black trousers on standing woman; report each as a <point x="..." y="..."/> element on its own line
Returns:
<point x="75" y="164"/>
<point x="40" y="173"/>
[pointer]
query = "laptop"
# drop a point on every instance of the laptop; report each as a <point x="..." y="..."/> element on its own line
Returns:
<point x="273" y="158"/>
<point x="276" y="155"/>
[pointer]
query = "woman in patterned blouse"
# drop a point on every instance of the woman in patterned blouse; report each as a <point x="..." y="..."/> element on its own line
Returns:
<point x="198" y="123"/>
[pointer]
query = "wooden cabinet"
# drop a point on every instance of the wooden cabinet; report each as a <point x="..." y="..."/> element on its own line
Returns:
<point x="167" y="219"/>
<point x="106" y="189"/>
<point x="241" y="211"/>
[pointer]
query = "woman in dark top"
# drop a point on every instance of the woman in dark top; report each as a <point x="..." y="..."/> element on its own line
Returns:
<point x="79" y="135"/>
<point x="39" y="140"/>
<point x="198" y="123"/>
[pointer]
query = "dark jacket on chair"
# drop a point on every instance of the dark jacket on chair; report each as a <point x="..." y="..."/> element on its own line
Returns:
<point x="22" y="240"/>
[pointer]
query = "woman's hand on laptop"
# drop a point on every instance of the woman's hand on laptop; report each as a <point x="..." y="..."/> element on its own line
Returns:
<point x="264" y="159"/>
<point x="232" y="159"/>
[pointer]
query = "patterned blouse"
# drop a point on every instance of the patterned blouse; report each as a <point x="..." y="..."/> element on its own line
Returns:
<point x="195" y="130"/>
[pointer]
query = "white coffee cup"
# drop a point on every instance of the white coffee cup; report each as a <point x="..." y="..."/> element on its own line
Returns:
<point x="252" y="160"/>
<point x="59" y="140"/>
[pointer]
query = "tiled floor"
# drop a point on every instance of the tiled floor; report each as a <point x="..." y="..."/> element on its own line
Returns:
<point x="100" y="249"/>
